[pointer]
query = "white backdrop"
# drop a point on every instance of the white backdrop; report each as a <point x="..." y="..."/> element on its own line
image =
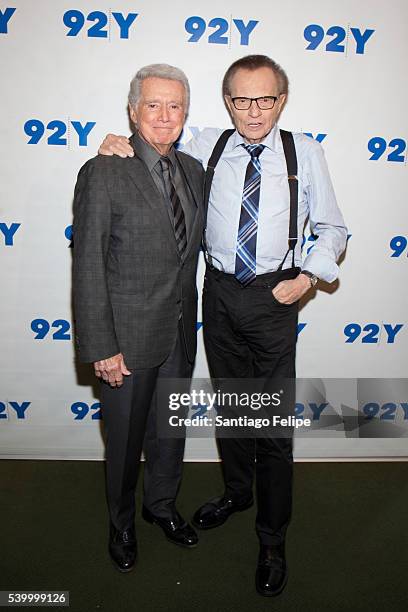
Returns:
<point x="65" y="71"/>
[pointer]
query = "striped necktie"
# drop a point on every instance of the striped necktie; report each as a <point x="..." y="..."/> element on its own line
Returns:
<point x="245" y="261"/>
<point x="179" y="219"/>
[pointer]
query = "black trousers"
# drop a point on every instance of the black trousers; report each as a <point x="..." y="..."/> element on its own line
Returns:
<point x="130" y="422"/>
<point x="249" y="334"/>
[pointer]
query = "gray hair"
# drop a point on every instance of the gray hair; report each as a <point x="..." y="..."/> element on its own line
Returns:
<point x="160" y="71"/>
<point x="253" y="62"/>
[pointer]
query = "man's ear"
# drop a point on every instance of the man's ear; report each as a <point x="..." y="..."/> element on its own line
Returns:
<point x="228" y="103"/>
<point x="282" y="102"/>
<point x="132" y="114"/>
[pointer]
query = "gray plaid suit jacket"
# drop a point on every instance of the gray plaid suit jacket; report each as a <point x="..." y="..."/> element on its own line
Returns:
<point x="129" y="282"/>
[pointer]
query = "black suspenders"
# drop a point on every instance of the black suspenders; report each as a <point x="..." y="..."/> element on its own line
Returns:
<point x="292" y="167"/>
<point x="291" y="164"/>
<point x="212" y="162"/>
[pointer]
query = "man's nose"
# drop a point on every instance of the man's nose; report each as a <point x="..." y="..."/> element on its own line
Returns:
<point x="254" y="110"/>
<point x="164" y="114"/>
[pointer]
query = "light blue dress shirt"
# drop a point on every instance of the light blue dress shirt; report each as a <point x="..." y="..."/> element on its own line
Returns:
<point x="316" y="201"/>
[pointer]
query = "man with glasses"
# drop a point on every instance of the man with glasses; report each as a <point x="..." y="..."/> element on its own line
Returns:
<point x="265" y="185"/>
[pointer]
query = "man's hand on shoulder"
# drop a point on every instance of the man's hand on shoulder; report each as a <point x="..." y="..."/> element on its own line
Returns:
<point x="116" y="145"/>
<point x="112" y="370"/>
<point x="289" y="291"/>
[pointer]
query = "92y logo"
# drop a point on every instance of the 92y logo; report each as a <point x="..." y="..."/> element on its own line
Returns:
<point x="220" y="33"/>
<point x="41" y="327"/>
<point x="82" y="409"/>
<point x="334" y="37"/>
<point x="34" y="128"/>
<point x="18" y="407"/>
<point x="319" y="136"/>
<point x="102" y="23"/>
<point x="396" y="149"/>
<point x="398" y="245"/>
<point x="8" y="232"/>
<point x="371" y="333"/>
<point x="385" y="412"/>
<point x="311" y="241"/>
<point x="5" y="16"/>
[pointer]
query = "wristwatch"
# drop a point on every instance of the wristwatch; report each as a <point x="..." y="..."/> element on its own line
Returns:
<point x="312" y="277"/>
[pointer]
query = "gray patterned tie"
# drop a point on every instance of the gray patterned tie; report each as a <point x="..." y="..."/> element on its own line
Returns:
<point x="179" y="219"/>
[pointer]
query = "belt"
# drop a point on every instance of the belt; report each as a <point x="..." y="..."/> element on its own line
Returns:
<point x="269" y="279"/>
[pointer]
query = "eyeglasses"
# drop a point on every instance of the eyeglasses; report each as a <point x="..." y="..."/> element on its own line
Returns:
<point x="263" y="102"/>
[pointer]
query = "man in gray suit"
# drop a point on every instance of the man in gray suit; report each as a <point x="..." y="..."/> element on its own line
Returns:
<point x="137" y="231"/>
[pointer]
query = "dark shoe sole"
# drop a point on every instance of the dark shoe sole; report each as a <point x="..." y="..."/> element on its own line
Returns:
<point x="274" y="593"/>
<point x="241" y="509"/>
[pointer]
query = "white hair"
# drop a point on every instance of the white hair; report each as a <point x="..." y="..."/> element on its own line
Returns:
<point x="160" y="71"/>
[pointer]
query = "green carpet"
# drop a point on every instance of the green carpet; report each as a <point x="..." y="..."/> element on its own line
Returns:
<point x="347" y="545"/>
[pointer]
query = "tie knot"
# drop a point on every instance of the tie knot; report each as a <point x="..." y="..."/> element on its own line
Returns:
<point x="254" y="150"/>
<point x="165" y="163"/>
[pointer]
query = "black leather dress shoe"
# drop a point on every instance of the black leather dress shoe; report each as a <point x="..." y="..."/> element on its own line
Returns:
<point x="271" y="573"/>
<point x="122" y="548"/>
<point x="216" y="512"/>
<point x="175" y="529"/>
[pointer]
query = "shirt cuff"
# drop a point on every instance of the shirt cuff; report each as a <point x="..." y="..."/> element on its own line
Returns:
<point x="322" y="266"/>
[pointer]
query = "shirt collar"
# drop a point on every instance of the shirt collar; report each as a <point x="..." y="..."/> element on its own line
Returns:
<point x="272" y="140"/>
<point x="149" y="155"/>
